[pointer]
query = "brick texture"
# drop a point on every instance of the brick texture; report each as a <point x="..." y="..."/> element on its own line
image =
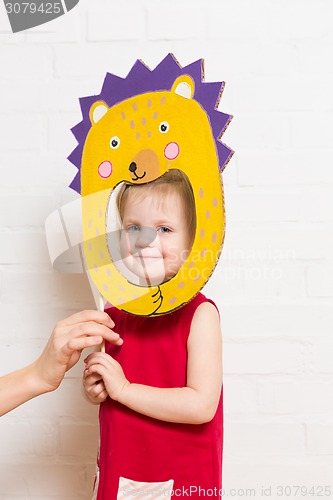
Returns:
<point x="274" y="282"/>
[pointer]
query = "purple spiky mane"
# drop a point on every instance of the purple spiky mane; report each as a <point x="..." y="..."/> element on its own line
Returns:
<point x="141" y="80"/>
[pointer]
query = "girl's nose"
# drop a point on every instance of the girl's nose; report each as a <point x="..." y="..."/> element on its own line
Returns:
<point x="142" y="238"/>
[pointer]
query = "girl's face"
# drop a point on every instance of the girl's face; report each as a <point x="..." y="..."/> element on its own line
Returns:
<point x="154" y="237"/>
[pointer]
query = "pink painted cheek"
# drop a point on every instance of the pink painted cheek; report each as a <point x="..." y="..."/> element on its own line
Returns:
<point x="105" y="169"/>
<point x="171" y="150"/>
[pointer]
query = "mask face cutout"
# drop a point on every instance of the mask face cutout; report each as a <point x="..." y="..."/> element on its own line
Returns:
<point x="154" y="228"/>
<point x="138" y="140"/>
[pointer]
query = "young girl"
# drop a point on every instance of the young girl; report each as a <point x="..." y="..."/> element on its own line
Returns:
<point x="161" y="422"/>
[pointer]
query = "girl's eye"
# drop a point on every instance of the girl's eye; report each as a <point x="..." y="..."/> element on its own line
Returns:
<point x="164" y="127"/>
<point x="114" y="142"/>
<point x="165" y="229"/>
<point x="133" y="228"/>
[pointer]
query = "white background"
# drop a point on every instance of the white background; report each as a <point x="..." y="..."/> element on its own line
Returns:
<point x="274" y="284"/>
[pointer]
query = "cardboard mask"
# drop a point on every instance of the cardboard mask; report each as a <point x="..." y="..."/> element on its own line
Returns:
<point x="137" y="129"/>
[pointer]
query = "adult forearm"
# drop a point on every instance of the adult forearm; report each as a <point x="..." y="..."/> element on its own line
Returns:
<point x="18" y="387"/>
<point x="181" y="405"/>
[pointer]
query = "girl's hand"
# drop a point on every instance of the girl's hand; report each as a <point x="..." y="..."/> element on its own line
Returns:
<point x="103" y="377"/>
<point x="94" y="388"/>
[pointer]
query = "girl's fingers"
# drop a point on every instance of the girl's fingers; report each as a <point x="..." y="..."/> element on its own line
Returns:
<point x="101" y="397"/>
<point x="97" y="389"/>
<point x="91" y="378"/>
<point x="99" y="370"/>
<point x="90" y="357"/>
<point x="99" y="357"/>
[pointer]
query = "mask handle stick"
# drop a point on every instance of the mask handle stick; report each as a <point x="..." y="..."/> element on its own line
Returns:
<point x="64" y="242"/>
<point x="99" y="301"/>
<point x="101" y="304"/>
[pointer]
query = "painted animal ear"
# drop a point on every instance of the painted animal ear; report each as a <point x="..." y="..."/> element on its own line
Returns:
<point x="183" y="86"/>
<point x="97" y="111"/>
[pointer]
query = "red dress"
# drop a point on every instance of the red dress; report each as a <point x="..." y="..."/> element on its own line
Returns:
<point x="142" y="448"/>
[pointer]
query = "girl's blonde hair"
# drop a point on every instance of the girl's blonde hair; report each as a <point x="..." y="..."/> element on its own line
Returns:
<point x="173" y="181"/>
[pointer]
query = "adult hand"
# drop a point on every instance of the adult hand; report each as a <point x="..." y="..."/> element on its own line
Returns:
<point x="69" y="337"/>
<point x="63" y="350"/>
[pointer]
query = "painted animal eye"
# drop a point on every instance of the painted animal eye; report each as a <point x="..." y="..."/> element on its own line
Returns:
<point x="114" y="142"/>
<point x="164" y="127"/>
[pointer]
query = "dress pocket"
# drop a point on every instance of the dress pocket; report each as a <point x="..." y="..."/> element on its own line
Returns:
<point x="136" y="489"/>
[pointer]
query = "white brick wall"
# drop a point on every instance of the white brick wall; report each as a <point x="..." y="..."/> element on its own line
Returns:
<point x="274" y="284"/>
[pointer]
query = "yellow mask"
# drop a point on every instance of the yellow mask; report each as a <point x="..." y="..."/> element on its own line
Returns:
<point x="136" y="130"/>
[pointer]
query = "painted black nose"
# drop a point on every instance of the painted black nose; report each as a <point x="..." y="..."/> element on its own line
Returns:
<point x="132" y="167"/>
